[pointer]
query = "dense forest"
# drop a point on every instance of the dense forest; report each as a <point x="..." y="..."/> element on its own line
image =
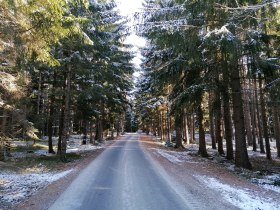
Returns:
<point x="212" y="67"/>
<point x="208" y="67"/>
<point x="64" y="70"/>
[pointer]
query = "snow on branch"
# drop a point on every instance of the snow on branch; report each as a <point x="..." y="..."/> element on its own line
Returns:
<point x="273" y="83"/>
<point x="275" y="3"/>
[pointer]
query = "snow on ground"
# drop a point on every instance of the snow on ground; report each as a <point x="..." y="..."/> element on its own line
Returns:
<point x="174" y="156"/>
<point x="15" y="187"/>
<point x="271" y="182"/>
<point x="241" y="198"/>
<point x="74" y="145"/>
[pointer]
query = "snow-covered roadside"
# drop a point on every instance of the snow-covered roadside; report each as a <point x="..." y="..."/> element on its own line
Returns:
<point x="175" y="157"/>
<point x="15" y="187"/>
<point x="271" y="182"/>
<point x="74" y="145"/>
<point x="241" y="198"/>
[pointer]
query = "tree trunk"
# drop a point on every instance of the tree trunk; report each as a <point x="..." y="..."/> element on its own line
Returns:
<point x="99" y="130"/>
<point x="178" y="128"/>
<point x="264" y="120"/>
<point x="91" y="139"/>
<point x="186" y="129"/>
<point x="211" y="120"/>
<point x="51" y="116"/>
<point x="161" y="126"/>
<point x="247" y="118"/>
<point x="227" y="114"/>
<point x="192" y="128"/>
<point x="65" y="112"/>
<point x="241" y="154"/>
<point x="39" y="98"/>
<point x="2" y="153"/>
<point x="253" y="117"/>
<point x="276" y="126"/>
<point x="218" y="116"/>
<point x="202" y="144"/>
<point x="258" y="117"/>
<point x="84" y="132"/>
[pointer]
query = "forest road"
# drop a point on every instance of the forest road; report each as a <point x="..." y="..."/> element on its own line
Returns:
<point x="123" y="177"/>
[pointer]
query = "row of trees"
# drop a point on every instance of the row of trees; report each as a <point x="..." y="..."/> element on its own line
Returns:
<point x="64" y="69"/>
<point x="212" y="66"/>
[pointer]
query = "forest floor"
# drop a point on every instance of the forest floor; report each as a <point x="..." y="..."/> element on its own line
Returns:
<point x="258" y="188"/>
<point x="31" y="178"/>
<point x="34" y="180"/>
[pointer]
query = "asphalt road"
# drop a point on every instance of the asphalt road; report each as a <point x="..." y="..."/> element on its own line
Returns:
<point x="122" y="177"/>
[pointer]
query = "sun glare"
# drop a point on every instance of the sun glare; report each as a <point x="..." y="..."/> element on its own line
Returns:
<point x="128" y="7"/>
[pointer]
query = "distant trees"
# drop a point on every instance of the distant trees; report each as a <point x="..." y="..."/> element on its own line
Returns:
<point x="214" y="62"/>
<point x="73" y="70"/>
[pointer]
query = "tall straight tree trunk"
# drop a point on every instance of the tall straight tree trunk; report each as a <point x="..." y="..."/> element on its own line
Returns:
<point x="227" y="112"/>
<point x="202" y="144"/>
<point x="276" y="126"/>
<point x="186" y="129"/>
<point x="193" y="127"/>
<point x="218" y="117"/>
<point x="99" y="124"/>
<point x="99" y="130"/>
<point x="264" y="120"/>
<point x="178" y="128"/>
<point x="258" y="117"/>
<point x="65" y="112"/>
<point x="85" y="122"/>
<point x="241" y="154"/>
<point x="247" y="116"/>
<point x="2" y="153"/>
<point x="91" y="139"/>
<point x="39" y="93"/>
<point x="51" y="115"/>
<point x="253" y="116"/>
<point x="189" y="121"/>
<point x="161" y="125"/>
<point x="3" y="133"/>
<point x="211" y="120"/>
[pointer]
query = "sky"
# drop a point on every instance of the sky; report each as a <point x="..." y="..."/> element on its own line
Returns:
<point x="128" y="8"/>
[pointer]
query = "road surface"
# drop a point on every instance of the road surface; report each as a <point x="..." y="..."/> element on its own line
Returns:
<point x="123" y="177"/>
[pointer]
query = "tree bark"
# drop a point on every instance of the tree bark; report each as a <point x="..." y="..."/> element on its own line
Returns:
<point x="65" y="112"/>
<point x="211" y="120"/>
<point x="264" y="120"/>
<point x="202" y="144"/>
<point x="276" y="126"/>
<point x="253" y="117"/>
<point x="218" y="116"/>
<point x="241" y="154"/>
<point x="258" y="117"/>
<point x="227" y="114"/>
<point x="178" y="128"/>
<point x="2" y="153"/>
<point x="186" y="129"/>
<point x="51" y="116"/>
<point x="247" y="117"/>
<point x="91" y="138"/>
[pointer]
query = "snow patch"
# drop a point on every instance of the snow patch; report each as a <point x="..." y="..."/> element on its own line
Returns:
<point x="243" y="199"/>
<point x="271" y="182"/>
<point x="16" y="187"/>
<point x="175" y="157"/>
